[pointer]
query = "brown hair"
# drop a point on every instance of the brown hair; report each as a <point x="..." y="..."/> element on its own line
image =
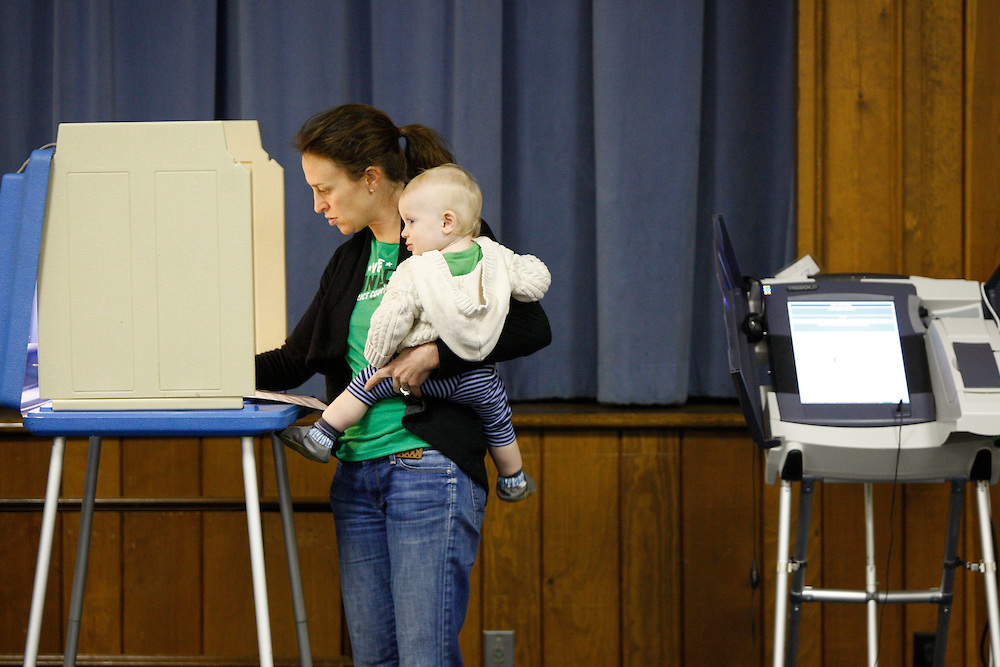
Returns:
<point x="356" y="136"/>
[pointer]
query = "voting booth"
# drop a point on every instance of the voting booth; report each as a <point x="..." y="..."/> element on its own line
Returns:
<point x="151" y="279"/>
<point x="868" y="379"/>
<point x="158" y="254"/>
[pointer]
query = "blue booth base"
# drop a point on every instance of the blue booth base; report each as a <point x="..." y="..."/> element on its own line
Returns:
<point x="253" y="419"/>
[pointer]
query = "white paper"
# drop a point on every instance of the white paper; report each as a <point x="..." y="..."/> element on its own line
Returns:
<point x="293" y="399"/>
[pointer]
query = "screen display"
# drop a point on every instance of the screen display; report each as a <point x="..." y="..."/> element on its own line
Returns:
<point x="847" y="352"/>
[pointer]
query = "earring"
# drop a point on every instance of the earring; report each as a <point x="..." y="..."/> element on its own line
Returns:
<point x="371" y="191"/>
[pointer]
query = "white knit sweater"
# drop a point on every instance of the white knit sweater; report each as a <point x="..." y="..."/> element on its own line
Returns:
<point x="424" y="302"/>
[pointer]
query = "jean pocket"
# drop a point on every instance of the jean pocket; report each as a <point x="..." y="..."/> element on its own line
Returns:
<point x="431" y="461"/>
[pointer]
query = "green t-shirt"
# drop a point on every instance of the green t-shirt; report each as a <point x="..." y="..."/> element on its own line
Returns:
<point x="380" y="432"/>
<point x="463" y="261"/>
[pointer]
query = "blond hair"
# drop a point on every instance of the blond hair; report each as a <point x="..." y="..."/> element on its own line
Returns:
<point x="458" y="192"/>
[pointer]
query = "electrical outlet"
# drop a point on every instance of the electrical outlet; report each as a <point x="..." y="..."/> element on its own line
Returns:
<point x="923" y="648"/>
<point x="498" y="648"/>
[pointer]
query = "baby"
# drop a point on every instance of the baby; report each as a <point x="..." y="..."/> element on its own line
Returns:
<point x="457" y="287"/>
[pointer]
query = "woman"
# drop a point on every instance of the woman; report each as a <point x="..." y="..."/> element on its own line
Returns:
<point x="410" y="490"/>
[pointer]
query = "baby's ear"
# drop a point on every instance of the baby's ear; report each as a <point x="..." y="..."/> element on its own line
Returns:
<point x="449" y="220"/>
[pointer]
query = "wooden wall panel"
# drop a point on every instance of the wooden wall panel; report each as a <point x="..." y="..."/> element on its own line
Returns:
<point x="162" y="554"/>
<point x="982" y="138"/>
<point x="581" y="586"/>
<point x="23" y="474"/>
<point x="844" y="625"/>
<point x="718" y="533"/>
<point x="511" y="562"/>
<point x="651" y="526"/>
<point x="926" y="519"/>
<point x="100" y="631"/>
<point x="317" y="546"/>
<point x="227" y="601"/>
<point x="225" y="561"/>
<point x="859" y="154"/>
<point x="932" y="125"/>
<point x="899" y="119"/>
<point x="18" y="555"/>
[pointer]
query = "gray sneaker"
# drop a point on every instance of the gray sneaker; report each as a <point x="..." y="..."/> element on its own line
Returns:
<point x="308" y="441"/>
<point x="512" y="494"/>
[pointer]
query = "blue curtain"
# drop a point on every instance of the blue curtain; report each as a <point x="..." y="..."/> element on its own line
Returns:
<point x="605" y="136"/>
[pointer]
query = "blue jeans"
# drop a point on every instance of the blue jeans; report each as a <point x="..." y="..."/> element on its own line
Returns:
<point x="407" y="536"/>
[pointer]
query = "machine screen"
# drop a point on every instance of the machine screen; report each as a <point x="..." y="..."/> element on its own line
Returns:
<point x="847" y="352"/>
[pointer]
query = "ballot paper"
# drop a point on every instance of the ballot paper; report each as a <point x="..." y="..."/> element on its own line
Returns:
<point x="293" y="399"/>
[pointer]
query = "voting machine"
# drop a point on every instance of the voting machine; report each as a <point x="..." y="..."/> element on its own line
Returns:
<point x="866" y="378"/>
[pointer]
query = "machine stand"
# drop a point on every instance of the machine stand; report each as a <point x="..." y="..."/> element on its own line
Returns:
<point x="786" y="643"/>
<point x="989" y="567"/>
<point x="255" y="532"/>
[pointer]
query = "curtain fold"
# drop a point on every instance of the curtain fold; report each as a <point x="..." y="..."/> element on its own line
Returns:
<point x="604" y="135"/>
<point x="647" y="128"/>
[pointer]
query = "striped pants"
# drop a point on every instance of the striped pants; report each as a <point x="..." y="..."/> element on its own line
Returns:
<point x="481" y="389"/>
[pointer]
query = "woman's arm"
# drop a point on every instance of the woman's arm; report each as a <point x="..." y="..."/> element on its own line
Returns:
<point x="281" y="369"/>
<point x="286" y="367"/>
<point x="525" y="331"/>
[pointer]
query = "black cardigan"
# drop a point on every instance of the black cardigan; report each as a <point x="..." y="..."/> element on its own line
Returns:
<point x="318" y="344"/>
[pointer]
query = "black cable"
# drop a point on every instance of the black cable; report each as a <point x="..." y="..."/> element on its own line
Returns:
<point x="982" y="645"/>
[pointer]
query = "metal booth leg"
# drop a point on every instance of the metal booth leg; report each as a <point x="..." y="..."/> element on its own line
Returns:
<point x="989" y="567"/>
<point x="798" y="567"/>
<point x="291" y="551"/>
<point x="948" y="569"/>
<point x="82" y="551"/>
<point x="781" y="575"/>
<point x="871" y="577"/>
<point x="256" y="552"/>
<point x="44" y="551"/>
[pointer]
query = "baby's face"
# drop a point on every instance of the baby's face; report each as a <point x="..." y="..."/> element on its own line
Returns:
<point x="423" y="221"/>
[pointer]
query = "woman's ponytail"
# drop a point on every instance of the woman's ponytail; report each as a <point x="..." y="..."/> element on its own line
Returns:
<point x="424" y="148"/>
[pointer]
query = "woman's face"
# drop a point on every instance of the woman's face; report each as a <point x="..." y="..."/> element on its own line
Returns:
<point x="344" y="201"/>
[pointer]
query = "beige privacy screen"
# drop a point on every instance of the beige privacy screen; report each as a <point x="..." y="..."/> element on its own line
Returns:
<point x="146" y="281"/>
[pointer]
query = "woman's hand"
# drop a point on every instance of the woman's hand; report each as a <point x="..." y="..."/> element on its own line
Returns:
<point x="408" y="369"/>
